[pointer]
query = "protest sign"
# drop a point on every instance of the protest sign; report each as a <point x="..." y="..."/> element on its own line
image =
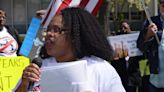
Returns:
<point x="33" y="36"/>
<point x="10" y="71"/>
<point x="125" y="45"/>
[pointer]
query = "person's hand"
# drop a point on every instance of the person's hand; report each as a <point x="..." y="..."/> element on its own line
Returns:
<point x="31" y="73"/>
<point x="152" y="28"/>
<point x="128" y="30"/>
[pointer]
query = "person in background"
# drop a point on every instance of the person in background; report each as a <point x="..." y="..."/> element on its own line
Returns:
<point x="150" y="42"/>
<point x="74" y="34"/>
<point x="124" y="28"/>
<point x="127" y="67"/>
<point x="9" y="38"/>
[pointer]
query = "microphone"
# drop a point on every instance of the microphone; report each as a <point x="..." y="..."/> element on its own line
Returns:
<point x="37" y="61"/>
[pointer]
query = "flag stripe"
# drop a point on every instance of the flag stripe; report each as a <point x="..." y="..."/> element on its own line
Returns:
<point x="75" y="3"/>
<point x="97" y="7"/>
<point x="64" y="4"/>
<point x="53" y="12"/>
<point x="90" y="5"/>
<point x="83" y="3"/>
<point x="47" y="13"/>
<point x="56" y="6"/>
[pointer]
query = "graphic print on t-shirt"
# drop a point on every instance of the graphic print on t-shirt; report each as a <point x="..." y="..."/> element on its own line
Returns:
<point x="7" y="45"/>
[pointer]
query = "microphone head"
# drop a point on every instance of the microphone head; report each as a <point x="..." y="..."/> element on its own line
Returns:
<point x="37" y="61"/>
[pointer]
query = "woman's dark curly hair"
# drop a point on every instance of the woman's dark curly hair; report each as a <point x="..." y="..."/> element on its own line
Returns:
<point x="87" y="35"/>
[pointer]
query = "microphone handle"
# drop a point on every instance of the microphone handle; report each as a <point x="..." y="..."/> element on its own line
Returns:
<point x="30" y="87"/>
<point x="37" y="61"/>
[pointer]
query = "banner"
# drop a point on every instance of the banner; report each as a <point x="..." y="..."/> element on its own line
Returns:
<point x="125" y="45"/>
<point x="11" y="71"/>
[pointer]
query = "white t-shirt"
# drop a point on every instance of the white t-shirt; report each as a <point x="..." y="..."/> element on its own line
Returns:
<point x="8" y="45"/>
<point x="101" y="75"/>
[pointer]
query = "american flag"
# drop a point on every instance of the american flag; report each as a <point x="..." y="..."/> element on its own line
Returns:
<point x="56" y="6"/>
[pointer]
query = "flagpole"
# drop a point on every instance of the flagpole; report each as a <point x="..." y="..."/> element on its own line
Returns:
<point x="149" y="19"/>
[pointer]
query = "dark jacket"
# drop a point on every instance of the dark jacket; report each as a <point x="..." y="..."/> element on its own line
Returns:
<point x="150" y="48"/>
<point x="15" y="35"/>
<point x="130" y="76"/>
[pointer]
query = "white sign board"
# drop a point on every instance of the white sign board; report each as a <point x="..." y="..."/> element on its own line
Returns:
<point x="125" y="45"/>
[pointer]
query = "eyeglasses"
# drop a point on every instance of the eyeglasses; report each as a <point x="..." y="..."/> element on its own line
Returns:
<point x="56" y="29"/>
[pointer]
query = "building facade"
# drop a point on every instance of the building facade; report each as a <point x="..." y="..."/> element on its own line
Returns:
<point x="20" y="12"/>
